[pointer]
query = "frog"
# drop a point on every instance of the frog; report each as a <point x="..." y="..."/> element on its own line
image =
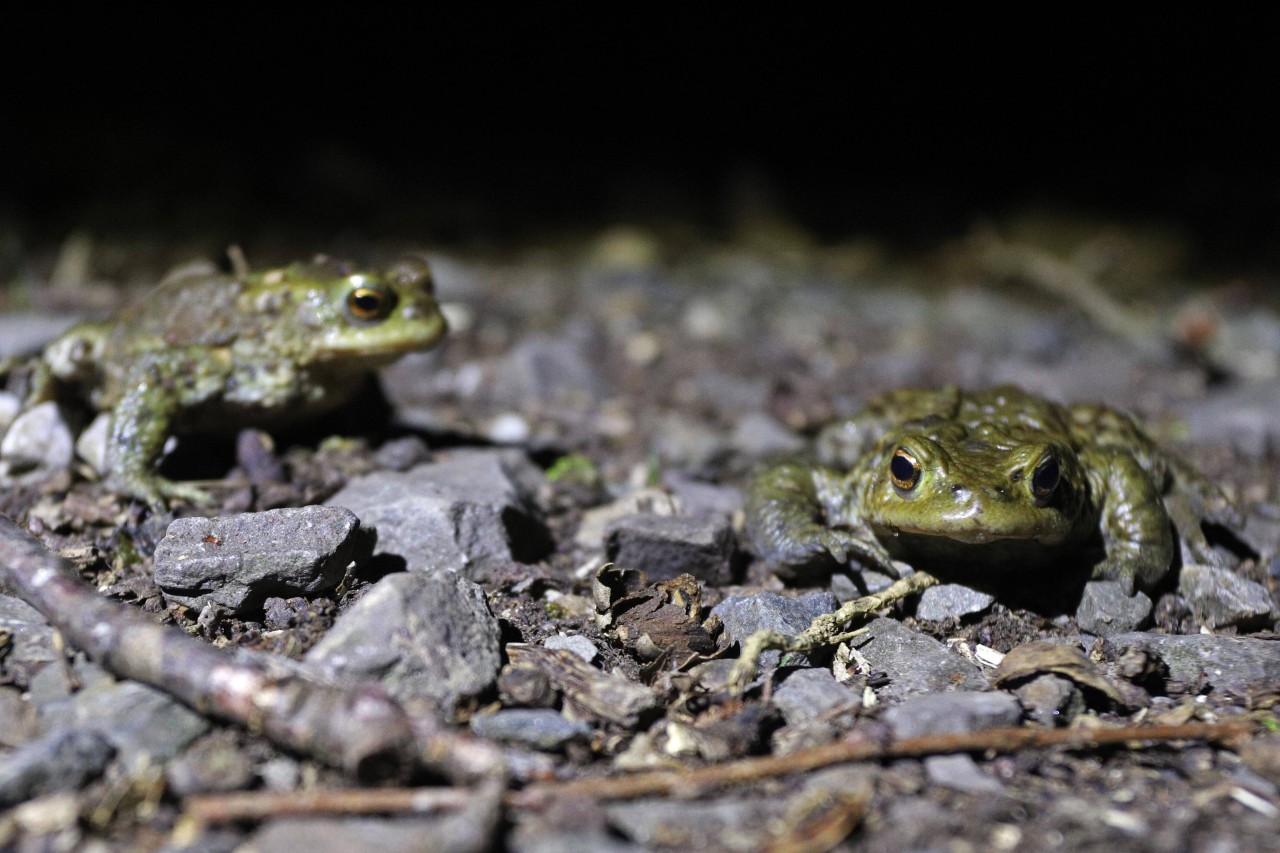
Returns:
<point x="209" y="351"/>
<point x="995" y="483"/>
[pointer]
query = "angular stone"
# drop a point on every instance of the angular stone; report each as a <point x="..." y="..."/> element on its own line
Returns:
<point x="63" y="760"/>
<point x="758" y="435"/>
<point x="806" y="694"/>
<point x="915" y="663"/>
<point x="539" y="728"/>
<point x="951" y="601"/>
<point x="960" y="712"/>
<point x="960" y="773"/>
<point x="743" y="615"/>
<point x="1220" y="598"/>
<point x="36" y="443"/>
<point x="422" y="636"/>
<point x="546" y="369"/>
<point x="1106" y="610"/>
<point x="462" y="514"/>
<point x="700" y="498"/>
<point x="31" y="635"/>
<point x="136" y="719"/>
<point x="1227" y="663"/>
<point x="239" y="561"/>
<point x="576" y="643"/>
<point x="667" y="546"/>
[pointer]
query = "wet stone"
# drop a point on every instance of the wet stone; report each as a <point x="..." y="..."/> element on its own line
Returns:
<point x="540" y="728"/>
<point x="743" y="615"/>
<point x="36" y="443"/>
<point x="237" y="562"/>
<point x="422" y="636"/>
<point x="137" y="720"/>
<point x="915" y="663"/>
<point x="1227" y="663"/>
<point x="60" y="761"/>
<point x="462" y="514"/>
<point x="961" y="712"/>
<point x="805" y="695"/>
<point x="951" y="601"/>
<point x="1105" y="609"/>
<point x="1220" y="598"/>
<point x="667" y="546"/>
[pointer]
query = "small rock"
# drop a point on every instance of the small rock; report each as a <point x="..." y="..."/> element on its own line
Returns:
<point x="649" y="501"/>
<point x="31" y="637"/>
<point x="542" y="369"/>
<point x="137" y="720"/>
<point x="36" y="443"/>
<point x="1220" y="598"/>
<point x="700" y="498"/>
<point x="462" y="514"/>
<point x="17" y="718"/>
<point x="213" y="765"/>
<point x="422" y="636"/>
<point x="60" y="761"/>
<point x="384" y="835"/>
<point x="960" y="773"/>
<point x="1105" y="609"/>
<point x="91" y="446"/>
<point x="681" y="440"/>
<point x="238" y="561"/>
<point x="1247" y="415"/>
<point x="951" y="601"/>
<point x="915" y="663"/>
<point x="23" y="334"/>
<point x="540" y="728"/>
<point x="10" y="405"/>
<point x="806" y="694"/>
<point x="1051" y="700"/>
<point x="758" y="435"/>
<point x="509" y="428"/>
<point x="1227" y="663"/>
<point x="401" y="454"/>
<point x="743" y="615"/>
<point x="959" y="712"/>
<point x="576" y="643"/>
<point x="667" y="546"/>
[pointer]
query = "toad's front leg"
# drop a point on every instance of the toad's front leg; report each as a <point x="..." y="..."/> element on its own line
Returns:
<point x="1136" y="529"/>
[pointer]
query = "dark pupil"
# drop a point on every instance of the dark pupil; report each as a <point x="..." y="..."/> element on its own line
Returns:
<point x="367" y="303"/>
<point x="1046" y="476"/>
<point x="902" y="469"/>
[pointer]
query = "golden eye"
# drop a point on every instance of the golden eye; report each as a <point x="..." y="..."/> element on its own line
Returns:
<point x="904" y="469"/>
<point x="1046" y="478"/>
<point x="366" y="302"/>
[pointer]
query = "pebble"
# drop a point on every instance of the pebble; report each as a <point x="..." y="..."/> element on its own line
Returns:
<point x="1228" y="663"/>
<point x="1106" y="610"/>
<point x="576" y="643"/>
<point x="594" y="521"/>
<point x="542" y="369"/>
<point x="10" y="405"/>
<point x="465" y="513"/>
<point x="91" y="446"/>
<point x="1220" y="598"/>
<point x="1246" y="415"/>
<point x="960" y="773"/>
<point x="667" y="546"/>
<point x="212" y="765"/>
<point x="758" y="435"/>
<point x="951" y="601"/>
<point x="539" y="728"/>
<point x="23" y="334"/>
<point x="1051" y="700"/>
<point x="60" y="761"/>
<point x="700" y="498"/>
<point x="31" y="636"/>
<point x="958" y="712"/>
<point x="743" y="615"/>
<point x="136" y="719"/>
<point x="915" y="663"/>
<point x="238" y="561"/>
<point x="36" y="443"/>
<point x="804" y="695"/>
<point x="421" y="635"/>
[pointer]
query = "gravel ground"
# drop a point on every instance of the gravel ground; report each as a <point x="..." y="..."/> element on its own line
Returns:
<point x="602" y="401"/>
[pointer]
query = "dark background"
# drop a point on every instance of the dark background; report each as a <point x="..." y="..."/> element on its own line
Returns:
<point x="486" y="131"/>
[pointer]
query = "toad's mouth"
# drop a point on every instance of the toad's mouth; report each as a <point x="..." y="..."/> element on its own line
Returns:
<point x="977" y="536"/>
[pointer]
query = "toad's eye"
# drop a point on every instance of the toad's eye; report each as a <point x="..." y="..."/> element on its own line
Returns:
<point x="904" y="469"/>
<point x="1046" y="478"/>
<point x="366" y="302"/>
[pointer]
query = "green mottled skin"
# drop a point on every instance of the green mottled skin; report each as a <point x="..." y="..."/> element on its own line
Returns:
<point x="1116" y="506"/>
<point x="211" y="352"/>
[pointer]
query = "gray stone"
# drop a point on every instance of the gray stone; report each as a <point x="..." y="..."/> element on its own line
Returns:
<point x="212" y="765"/>
<point x="951" y="601"/>
<point x="239" y="561"/>
<point x="1228" y="663"/>
<point x="757" y="435"/>
<point x="60" y="761"/>
<point x="422" y="636"/>
<point x="666" y="546"/>
<point x="540" y="728"/>
<point x="463" y="514"/>
<point x="546" y="369"/>
<point x="10" y="405"/>
<point x="91" y="446"/>
<point x="31" y="637"/>
<point x="1051" y="700"/>
<point x="915" y="663"/>
<point x="343" y="834"/>
<point x="700" y="498"/>
<point x="684" y="441"/>
<point x="960" y="773"/>
<point x="743" y="615"/>
<point x="1261" y="530"/>
<point x="1105" y="609"/>
<point x="137" y="720"/>
<point x="36" y="443"/>
<point x="23" y="334"/>
<point x="576" y="643"/>
<point x="960" y="712"/>
<point x="1220" y="598"/>
<point x="647" y="501"/>
<point x="724" y="824"/>
<point x="807" y="694"/>
<point x="1247" y="415"/>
